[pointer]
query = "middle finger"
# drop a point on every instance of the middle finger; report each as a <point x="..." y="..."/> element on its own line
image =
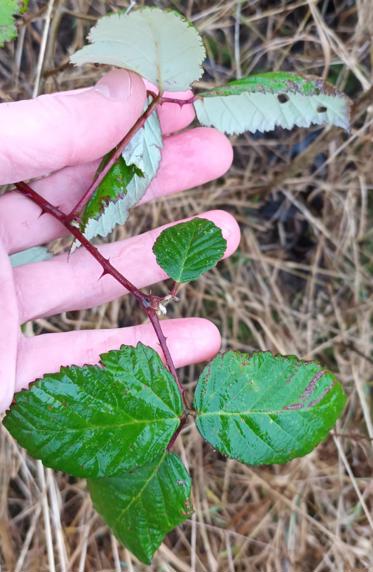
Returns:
<point x="62" y="284"/>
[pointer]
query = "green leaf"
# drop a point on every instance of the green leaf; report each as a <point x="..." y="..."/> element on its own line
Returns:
<point x="126" y="182"/>
<point x="30" y="256"/>
<point x="98" y="421"/>
<point x="262" y="102"/>
<point x="8" y="9"/>
<point x="159" y="45"/>
<point x="113" y="187"/>
<point x="187" y="250"/>
<point x="266" y="408"/>
<point x="143" y="505"/>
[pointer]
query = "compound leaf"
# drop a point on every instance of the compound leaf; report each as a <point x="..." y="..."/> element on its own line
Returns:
<point x="143" y="505"/>
<point x="188" y="249"/>
<point x="126" y="182"/>
<point x="266" y="408"/>
<point x="98" y="421"/>
<point x="262" y="102"/>
<point x="159" y="45"/>
<point x="30" y="256"/>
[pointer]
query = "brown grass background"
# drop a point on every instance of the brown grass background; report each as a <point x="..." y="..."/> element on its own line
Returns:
<point x="300" y="283"/>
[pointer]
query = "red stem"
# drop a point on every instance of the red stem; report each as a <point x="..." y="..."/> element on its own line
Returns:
<point x="114" y="158"/>
<point x="148" y="303"/>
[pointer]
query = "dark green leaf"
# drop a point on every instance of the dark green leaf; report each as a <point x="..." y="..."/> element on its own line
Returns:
<point x="262" y="102"/>
<point x="266" y="409"/>
<point x="187" y="250"/>
<point x="97" y="421"/>
<point x="143" y="505"/>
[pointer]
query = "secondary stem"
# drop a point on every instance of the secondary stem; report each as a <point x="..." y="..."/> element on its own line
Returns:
<point x="114" y="158"/>
<point x="148" y="303"/>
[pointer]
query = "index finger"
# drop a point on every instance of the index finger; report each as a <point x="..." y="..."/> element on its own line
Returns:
<point x="53" y="131"/>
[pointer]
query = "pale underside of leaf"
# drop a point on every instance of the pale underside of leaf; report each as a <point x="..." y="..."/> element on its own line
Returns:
<point x="159" y="45"/>
<point x="143" y="505"/>
<point x="266" y="409"/>
<point x="30" y="256"/>
<point x="97" y="421"/>
<point x="144" y="152"/>
<point x="265" y="101"/>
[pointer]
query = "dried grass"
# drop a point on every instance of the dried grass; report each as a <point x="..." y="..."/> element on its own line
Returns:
<point x="300" y="283"/>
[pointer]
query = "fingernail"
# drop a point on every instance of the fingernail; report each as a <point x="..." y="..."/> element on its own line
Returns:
<point x="115" y="85"/>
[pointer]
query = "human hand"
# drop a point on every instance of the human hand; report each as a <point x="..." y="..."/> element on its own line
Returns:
<point x="59" y="139"/>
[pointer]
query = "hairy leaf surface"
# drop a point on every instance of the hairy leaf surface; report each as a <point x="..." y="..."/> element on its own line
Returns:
<point x="30" y="256"/>
<point x="97" y="421"/>
<point x="188" y="249"/>
<point x="159" y="45"/>
<point x="126" y="182"/>
<point x="262" y="102"/>
<point x="143" y="505"/>
<point x="266" y="408"/>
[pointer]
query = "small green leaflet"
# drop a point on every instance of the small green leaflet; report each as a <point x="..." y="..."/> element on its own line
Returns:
<point x="98" y="421"/>
<point x="262" y="102"/>
<point x="143" y="505"/>
<point x="8" y="9"/>
<point x="266" y="408"/>
<point x="188" y="249"/>
<point x="30" y="256"/>
<point x="159" y="45"/>
<point x="126" y="182"/>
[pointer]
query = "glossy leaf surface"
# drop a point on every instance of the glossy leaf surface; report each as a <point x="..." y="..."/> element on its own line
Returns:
<point x="30" y="256"/>
<point x="159" y="45"/>
<point x="126" y="183"/>
<point x="97" y="421"/>
<point x="143" y="505"/>
<point x="262" y="102"/>
<point x="187" y="250"/>
<point x="266" y="408"/>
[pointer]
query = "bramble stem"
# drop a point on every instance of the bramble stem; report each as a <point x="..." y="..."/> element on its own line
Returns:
<point x="148" y="303"/>
<point x="181" y="102"/>
<point x="114" y="158"/>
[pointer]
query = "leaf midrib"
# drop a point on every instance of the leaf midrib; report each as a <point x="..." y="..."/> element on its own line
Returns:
<point x="254" y="412"/>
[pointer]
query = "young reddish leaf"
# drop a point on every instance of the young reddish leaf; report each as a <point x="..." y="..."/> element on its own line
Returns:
<point x="143" y="505"/>
<point x="265" y="408"/>
<point x="160" y="45"/>
<point x="98" y="421"/>
<point x="261" y="102"/>
<point x="187" y="250"/>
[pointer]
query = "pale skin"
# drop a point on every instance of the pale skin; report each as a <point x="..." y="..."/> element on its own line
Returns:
<point x="57" y="140"/>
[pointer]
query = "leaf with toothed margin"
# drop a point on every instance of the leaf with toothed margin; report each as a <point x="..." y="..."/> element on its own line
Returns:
<point x="143" y="505"/>
<point x="261" y="102"/>
<point x="188" y="249"/>
<point x="97" y="421"/>
<point x="265" y="408"/>
<point x="162" y="46"/>
<point x="126" y="182"/>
